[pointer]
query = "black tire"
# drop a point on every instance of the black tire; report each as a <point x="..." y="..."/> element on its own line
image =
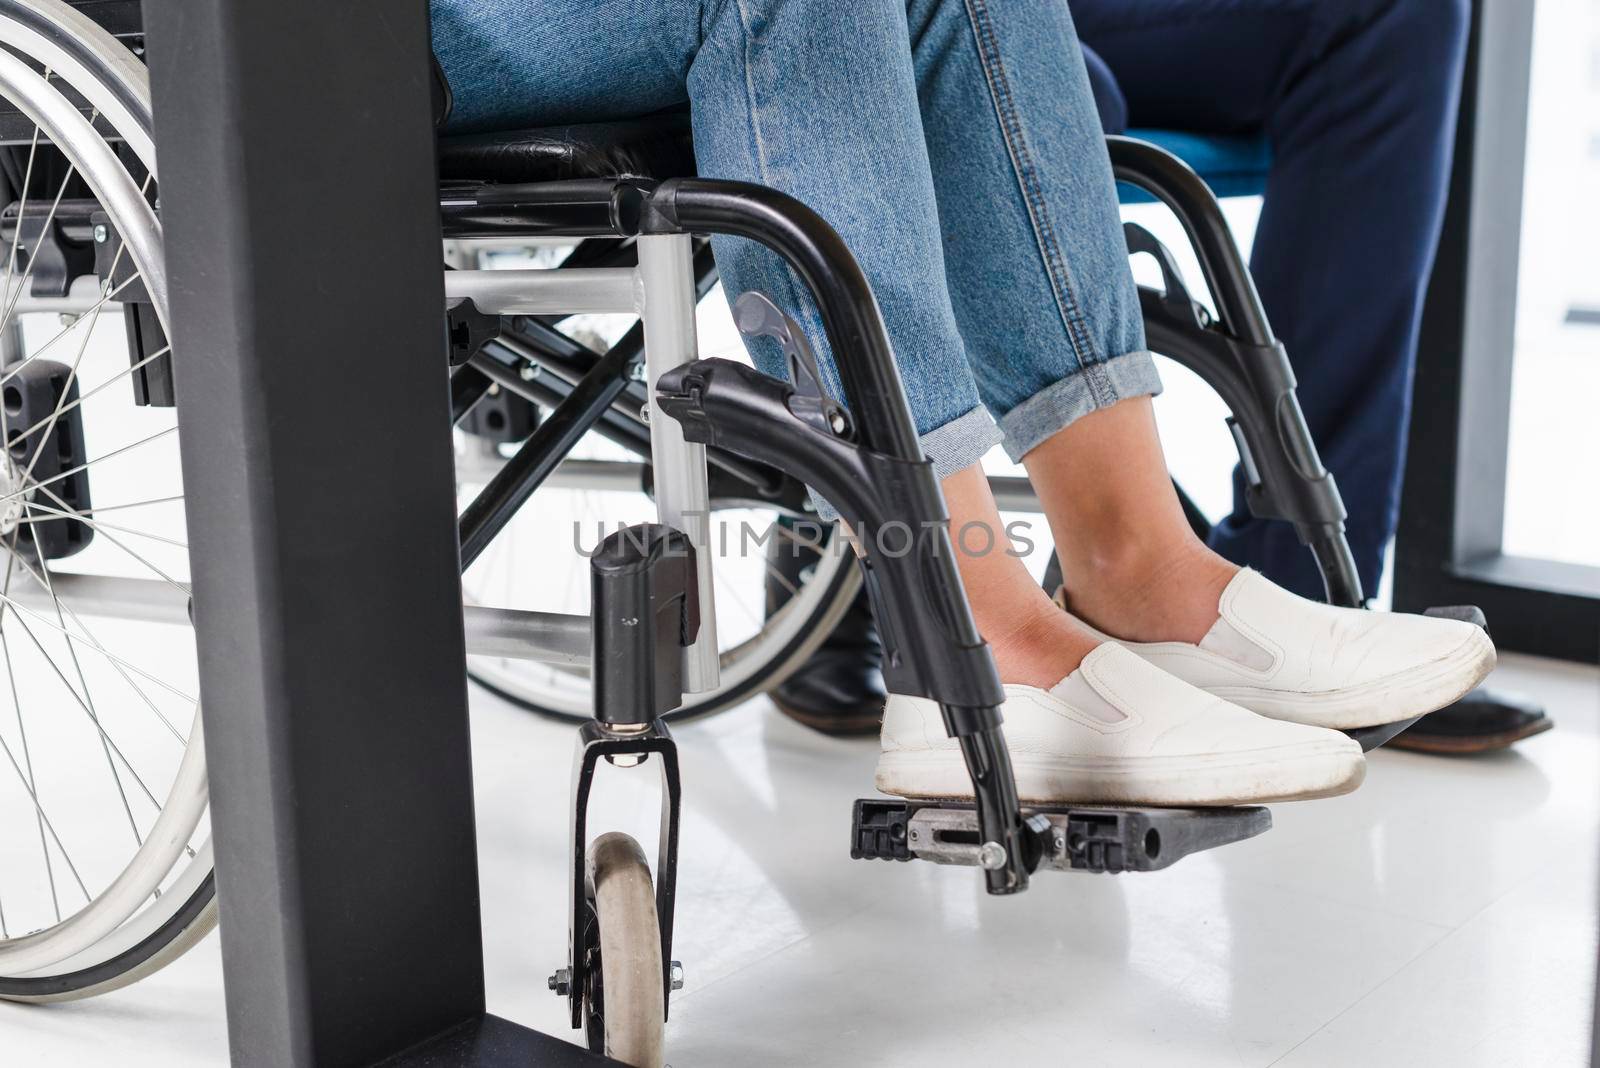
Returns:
<point x="154" y="952"/>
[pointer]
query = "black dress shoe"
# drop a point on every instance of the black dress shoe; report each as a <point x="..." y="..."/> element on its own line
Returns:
<point x="839" y="690"/>
<point x="1481" y="722"/>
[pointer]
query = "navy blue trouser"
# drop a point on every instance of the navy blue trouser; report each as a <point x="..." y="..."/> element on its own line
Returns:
<point x="1358" y="98"/>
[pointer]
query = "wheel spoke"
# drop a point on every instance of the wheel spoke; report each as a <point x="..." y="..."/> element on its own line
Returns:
<point x="42" y="349"/>
<point x="22" y="203"/>
<point x="17" y="606"/>
<point x="55" y="416"/>
<point x="22" y="735"/>
<point x="99" y="508"/>
<point x="87" y="704"/>
<point x="50" y="827"/>
<point x="35" y="484"/>
<point x="105" y="737"/>
<point x="117" y="663"/>
<point x="107" y="384"/>
<point x="13" y="299"/>
<point x="783" y="580"/>
<point x="174" y="583"/>
<point x="57" y="515"/>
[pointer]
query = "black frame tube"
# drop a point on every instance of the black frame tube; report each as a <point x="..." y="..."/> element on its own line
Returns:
<point x="551" y="391"/>
<point x="544" y="450"/>
<point x="568" y="361"/>
<point x="1173" y="182"/>
<point x="849" y="311"/>
<point x="467" y="387"/>
<point x="872" y="386"/>
<point x="1241" y="361"/>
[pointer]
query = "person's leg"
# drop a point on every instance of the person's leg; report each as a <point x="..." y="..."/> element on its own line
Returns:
<point x="1086" y="721"/>
<point x="818" y="100"/>
<point x="1128" y="556"/>
<point x="1040" y="282"/>
<point x="1033" y="643"/>
<point x="1359" y="100"/>
<point x="799" y="95"/>
<point x="861" y="119"/>
<point x="853" y="113"/>
<point x="524" y="63"/>
<point x="1039" y="279"/>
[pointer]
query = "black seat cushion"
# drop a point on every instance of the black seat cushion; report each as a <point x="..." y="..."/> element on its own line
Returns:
<point x="657" y="146"/>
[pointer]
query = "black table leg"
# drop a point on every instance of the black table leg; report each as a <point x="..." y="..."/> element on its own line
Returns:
<point x="298" y="200"/>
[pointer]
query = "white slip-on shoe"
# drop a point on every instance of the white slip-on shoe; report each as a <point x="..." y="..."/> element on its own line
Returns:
<point x="1120" y="731"/>
<point x="1283" y="656"/>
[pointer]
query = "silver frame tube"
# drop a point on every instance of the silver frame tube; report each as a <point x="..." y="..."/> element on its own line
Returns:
<point x="683" y="500"/>
<point x="548" y="637"/>
<point x="543" y="291"/>
<point x="84" y="294"/>
<point x="601" y="476"/>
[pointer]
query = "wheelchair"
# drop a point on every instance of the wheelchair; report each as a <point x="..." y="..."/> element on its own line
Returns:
<point x="576" y="370"/>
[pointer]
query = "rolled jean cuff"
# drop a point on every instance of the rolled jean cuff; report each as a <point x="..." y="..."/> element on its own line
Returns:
<point x="961" y="442"/>
<point x="1058" y="405"/>
<point x="952" y="447"/>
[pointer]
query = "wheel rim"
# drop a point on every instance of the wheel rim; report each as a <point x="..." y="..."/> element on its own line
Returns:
<point x="161" y="822"/>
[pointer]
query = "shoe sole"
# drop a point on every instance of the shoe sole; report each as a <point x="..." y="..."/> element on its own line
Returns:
<point x="1401" y="697"/>
<point x="1300" y="773"/>
<point x="855" y="723"/>
<point x="1455" y="745"/>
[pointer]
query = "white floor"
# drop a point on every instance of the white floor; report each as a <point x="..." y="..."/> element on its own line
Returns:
<point x="1445" y="914"/>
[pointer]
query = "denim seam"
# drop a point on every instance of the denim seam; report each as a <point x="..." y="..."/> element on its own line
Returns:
<point x="799" y="305"/>
<point x="750" y="95"/>
<point x="1033" y="196"/>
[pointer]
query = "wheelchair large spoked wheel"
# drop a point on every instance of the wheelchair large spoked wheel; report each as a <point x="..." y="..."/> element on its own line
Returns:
<point x="105" y="867"/>
<point x="539" y="562"/>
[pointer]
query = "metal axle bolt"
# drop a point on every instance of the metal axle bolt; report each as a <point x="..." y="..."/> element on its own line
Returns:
<point x="529" y="372"/>
<point x="676" y="975"/>
<point x="991" y="856"/>
<point x="101" y="234"/>
<point x="561" y="982"/>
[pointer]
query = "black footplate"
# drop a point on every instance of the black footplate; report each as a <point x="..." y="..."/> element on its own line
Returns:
<point x="1071" y="838"/>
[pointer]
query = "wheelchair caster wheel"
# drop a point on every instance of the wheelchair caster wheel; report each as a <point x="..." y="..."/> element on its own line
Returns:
<point x="624" y="1010"/>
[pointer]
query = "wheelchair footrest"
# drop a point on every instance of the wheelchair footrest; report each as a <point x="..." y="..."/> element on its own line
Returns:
<point x="1079" y="837"/>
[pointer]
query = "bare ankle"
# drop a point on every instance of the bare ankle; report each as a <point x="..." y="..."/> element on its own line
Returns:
<point x="1037" y="645"/>
<point x="1166" y="595"/>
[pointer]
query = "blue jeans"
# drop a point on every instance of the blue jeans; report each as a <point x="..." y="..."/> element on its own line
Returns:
<point x="1359" y="101"/>
<point x="953" y="145"/>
